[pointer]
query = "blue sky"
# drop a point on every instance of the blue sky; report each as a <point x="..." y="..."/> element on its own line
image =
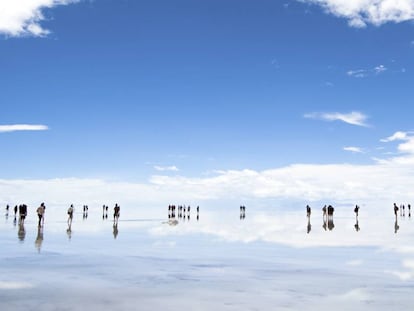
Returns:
<point x="132" y="89"/>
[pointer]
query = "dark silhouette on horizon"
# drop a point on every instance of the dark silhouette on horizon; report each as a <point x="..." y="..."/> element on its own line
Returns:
<point x="242" y="212"/>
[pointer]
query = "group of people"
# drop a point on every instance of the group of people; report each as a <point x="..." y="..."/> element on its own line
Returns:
<point x="327" y="214"/>
<point x="182" y="211"/>
<point x="402" y="210"/>
<point x="22" y="210"/>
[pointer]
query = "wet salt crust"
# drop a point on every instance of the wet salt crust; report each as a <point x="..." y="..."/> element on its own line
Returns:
<point x="266" y="261"/>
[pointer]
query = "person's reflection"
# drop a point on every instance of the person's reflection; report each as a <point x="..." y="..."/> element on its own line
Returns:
<point x="39" y="239"/>
<point x="69" y="231"/>
<point x="331" y="225"/>
<point x="309" y="228"/>
<point x="324" y="226"/>
<point x="357" y="228"/>
<point x="15" y="221"/>
<point x="115" y="232"/>
<point x="396" y="226"/>
<point x="21" y="233"/>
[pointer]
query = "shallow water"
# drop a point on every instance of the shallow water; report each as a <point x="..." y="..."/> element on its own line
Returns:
<point x="266" y="261"/>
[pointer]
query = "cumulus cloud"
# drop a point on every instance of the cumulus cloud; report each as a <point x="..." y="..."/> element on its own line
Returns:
<point x="354" y="149"/>
<point x="22" y="127"/>
<point x="171" y="168"/>
<point x="360" y="13"/>
<point x="23" y="17"/>
<point x="353" y="118"/>
<point x="386" y="180"/>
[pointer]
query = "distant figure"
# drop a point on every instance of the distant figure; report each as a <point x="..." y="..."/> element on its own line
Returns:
<point x="324" y="211"/>
<point x="308" y="211"/>
<point x="70" y="215"/>
<point x="40" y="213"/>
<point x="7" y="208"/>
<point x="331" y="210"/>
<point x="22" y="213"/>
<point x="395" y="210"/>
<point x="116" y="213"/>
<point x="409" y="210"/>
<point x="15" y="211"/>
<point x="356" y="210"/>
<point x="242" y="212"/>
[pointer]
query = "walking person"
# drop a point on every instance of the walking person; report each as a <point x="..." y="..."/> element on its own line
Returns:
<point x="41" y="213"/>
<point x="70" y="215"/>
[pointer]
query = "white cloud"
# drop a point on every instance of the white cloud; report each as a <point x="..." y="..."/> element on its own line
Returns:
<point x="359" y="73"/>
<point x="23" y="17"/>
<point x="172" y="168"/>
<point x="379" y="69"/>
<point x="387" y="180"/>
<point x="22" y="127"/>
<point x="360" y="13"/>
<point x="363" y="73"/>
<point x="396" y="136"/>
<point x="354" y="149"/>
<point x="353" y="118"/>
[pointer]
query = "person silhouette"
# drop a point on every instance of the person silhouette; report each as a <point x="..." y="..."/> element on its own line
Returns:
<point x="41" y="213"/>
<point x="395" y="210"/>
<point x="70" y="215"/>
<point x="116" y="213"/>
<point x="356" y="210"/>
<point x="22" y="213"/>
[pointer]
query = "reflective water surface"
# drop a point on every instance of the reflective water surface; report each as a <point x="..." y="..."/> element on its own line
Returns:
<point x="224" y="259"/>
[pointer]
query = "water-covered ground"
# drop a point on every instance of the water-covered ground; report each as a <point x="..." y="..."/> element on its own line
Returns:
<point x="269" y="260"/>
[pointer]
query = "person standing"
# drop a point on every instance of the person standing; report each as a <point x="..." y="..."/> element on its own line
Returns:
<point x="116" y="213"/>
<point x="70" y="215"/>
<point x="22" y="213"/>
<point x="41" y="213"/>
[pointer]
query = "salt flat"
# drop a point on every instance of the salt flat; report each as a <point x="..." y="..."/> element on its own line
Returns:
<point x="267" y="261"/>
